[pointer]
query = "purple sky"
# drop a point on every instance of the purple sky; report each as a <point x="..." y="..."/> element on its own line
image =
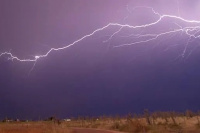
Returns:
<point x="91" y="78"/>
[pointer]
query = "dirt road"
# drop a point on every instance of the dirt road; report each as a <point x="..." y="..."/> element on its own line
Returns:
<point x="89" y="130"/>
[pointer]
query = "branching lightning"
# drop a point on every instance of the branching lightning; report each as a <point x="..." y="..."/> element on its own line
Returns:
<point x="191" y="31"/>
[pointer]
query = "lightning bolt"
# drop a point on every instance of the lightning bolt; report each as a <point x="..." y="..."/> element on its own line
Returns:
<point x="193" y="32"/>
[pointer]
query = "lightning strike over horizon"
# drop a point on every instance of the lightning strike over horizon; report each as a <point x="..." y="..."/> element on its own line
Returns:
<point x="193" y="32"/>
<point x="93" y="58"/>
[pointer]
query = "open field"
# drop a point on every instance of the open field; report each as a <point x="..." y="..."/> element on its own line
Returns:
<point x="182" y="125"/>
<point x="165" y="122"/>
<point x="46" y="127"/>
<point x="160" y="122"/>
<point x="32" y="127"/>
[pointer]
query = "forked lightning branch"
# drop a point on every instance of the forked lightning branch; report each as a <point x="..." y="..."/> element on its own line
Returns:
<point x="192" y="32"/>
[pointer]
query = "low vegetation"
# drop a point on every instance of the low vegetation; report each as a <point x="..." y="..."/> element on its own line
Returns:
<point x="156" y="122"/>
<point x="32" y="127"/>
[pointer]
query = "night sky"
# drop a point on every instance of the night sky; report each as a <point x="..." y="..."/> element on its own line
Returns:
<point x="93" y="77"/>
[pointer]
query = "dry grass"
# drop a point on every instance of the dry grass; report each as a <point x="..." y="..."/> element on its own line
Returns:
<point x="180" y="124"/>
<point x="33" y="127"/>
<point x="154" y="124"/>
